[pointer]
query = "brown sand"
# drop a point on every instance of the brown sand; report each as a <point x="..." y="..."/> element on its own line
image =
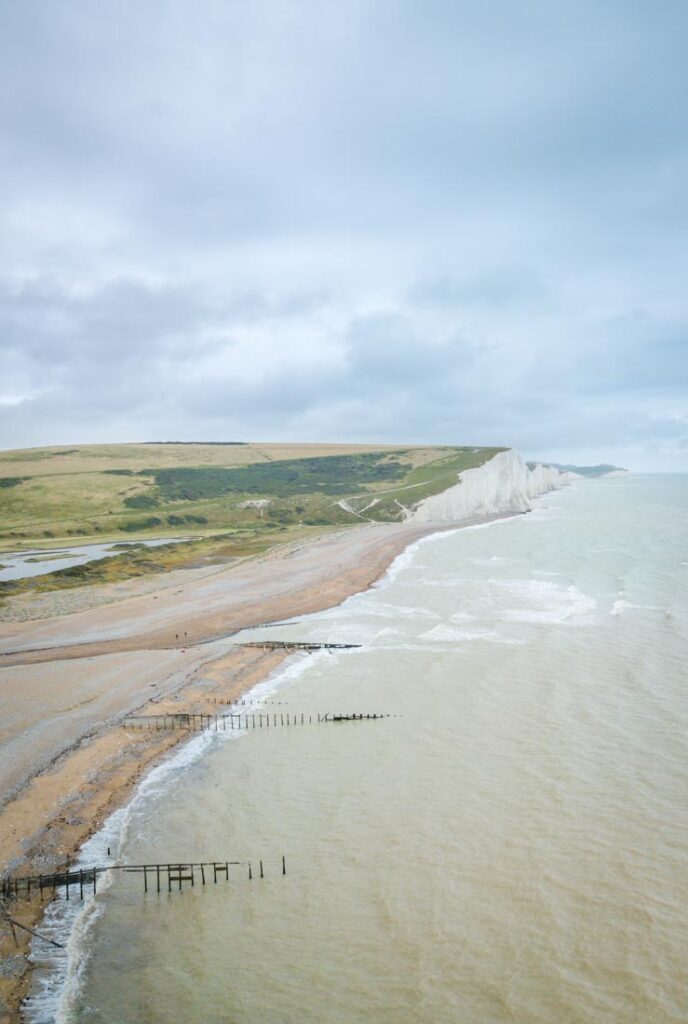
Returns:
<point x="67" y="763"/>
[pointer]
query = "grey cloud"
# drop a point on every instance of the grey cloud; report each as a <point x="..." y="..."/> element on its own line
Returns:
<point x="461" y="207"/>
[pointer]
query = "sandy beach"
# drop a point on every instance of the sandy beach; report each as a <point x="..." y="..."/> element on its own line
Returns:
<point x="67" y="680"/>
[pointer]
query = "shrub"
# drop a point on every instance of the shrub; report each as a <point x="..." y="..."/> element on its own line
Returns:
<point x="141" y="501"/>
<point x="140" y="524"/>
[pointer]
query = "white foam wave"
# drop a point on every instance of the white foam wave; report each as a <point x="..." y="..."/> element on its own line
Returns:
<point x="59" y="973"/>
<point x="404" y="560"/>
<point x="546" y="603"/>
<point x="621" y="605"/>
<point x="446" y="634"/>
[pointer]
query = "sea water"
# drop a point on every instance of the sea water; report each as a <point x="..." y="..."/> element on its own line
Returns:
<point x="509" y="846"/>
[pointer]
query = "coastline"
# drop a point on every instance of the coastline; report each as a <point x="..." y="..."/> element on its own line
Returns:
<point x="71" y="791"/>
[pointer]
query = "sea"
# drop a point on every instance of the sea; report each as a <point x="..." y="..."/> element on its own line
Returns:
<point x="509" y="846"/>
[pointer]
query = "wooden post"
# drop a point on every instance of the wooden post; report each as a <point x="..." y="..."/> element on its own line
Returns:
<point x="203" y="874"/>
<point x="250" y="876"/>
<point x="157" y="876"/>
<point x="261" y="870"/>
<point x="145" y="879"/>
<point x="284" y="865"/>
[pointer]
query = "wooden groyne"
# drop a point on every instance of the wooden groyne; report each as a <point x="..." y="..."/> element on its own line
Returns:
<point x="239" y="722"/>
<point x="296" y="645"/>
<point x="74" y="884"/>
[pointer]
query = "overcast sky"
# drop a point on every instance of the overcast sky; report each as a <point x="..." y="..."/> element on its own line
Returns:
<point x="386" y="220"/>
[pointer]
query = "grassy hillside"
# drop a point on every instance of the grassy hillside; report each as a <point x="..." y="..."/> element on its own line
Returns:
<point x="239" y="498"/>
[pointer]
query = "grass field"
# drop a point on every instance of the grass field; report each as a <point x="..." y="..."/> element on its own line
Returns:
<point x="231" y="499"/>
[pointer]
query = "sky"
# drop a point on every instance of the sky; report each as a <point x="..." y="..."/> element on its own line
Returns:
<point x="381" y="221"/>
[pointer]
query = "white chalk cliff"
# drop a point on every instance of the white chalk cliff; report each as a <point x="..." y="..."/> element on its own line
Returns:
<point x="501" y="485"/>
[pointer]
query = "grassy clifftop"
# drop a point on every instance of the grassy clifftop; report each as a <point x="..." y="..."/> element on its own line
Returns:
<point x="240" y="497"/>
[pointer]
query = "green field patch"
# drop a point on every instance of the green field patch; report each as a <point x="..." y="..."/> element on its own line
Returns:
<point x="12" y="481"/>
<point x="333" y="474"/>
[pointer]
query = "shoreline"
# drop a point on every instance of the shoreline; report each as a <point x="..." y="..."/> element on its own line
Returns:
<point x="57" y="807"/>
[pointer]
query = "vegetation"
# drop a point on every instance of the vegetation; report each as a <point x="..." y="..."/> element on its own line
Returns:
<point x="141" y="501"/>
<point x="138" y="560"/>
<point x="336" y="474"/>
<point x="225" y="497"/>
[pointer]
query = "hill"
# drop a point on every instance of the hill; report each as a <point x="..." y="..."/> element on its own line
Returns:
<point x="228" y="500"/>
<point x="603" y="469"/>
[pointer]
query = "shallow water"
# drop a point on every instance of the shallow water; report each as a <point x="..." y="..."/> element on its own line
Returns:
<point x="17" y="565"/>
<point x="510" y="848"/>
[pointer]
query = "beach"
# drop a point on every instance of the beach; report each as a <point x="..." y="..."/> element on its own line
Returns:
<point x="507" y="845"/>
<point x="66" y="681"/>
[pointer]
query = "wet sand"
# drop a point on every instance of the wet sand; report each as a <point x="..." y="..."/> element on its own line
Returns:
<point x="66" y="682"/>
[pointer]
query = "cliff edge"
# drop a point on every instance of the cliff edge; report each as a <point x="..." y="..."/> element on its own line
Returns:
<point x="503" y="484"/>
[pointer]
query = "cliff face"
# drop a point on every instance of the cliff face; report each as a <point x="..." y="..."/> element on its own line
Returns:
<point x="504" y="484"/>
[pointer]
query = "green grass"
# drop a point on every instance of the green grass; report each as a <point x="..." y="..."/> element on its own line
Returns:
<point x="108" y="493"/>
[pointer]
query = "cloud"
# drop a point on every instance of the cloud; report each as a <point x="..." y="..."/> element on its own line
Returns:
<point x="441" y="223"/>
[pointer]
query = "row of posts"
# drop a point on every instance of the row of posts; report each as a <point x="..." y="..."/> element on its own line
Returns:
<point x="218" y="723"/>
<point x="86" y="879"/>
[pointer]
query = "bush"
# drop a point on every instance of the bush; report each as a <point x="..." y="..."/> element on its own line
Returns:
<point x="140" y="524"/>
<point x="141" y="501"/>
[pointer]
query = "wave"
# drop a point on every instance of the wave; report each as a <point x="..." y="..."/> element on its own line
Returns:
<point x="59" y="973"/>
